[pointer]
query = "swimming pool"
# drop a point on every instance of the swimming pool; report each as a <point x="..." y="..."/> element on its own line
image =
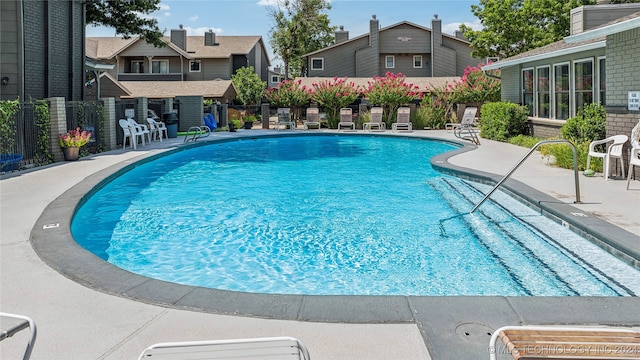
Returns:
<point x="298" y="215"/>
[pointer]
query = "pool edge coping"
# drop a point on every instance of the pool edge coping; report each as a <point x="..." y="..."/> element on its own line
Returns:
<point x="56" y="247"/>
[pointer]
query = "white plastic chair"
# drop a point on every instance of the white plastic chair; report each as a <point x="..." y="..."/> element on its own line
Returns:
<point x="257" y="348"/>
<point x="634" y="160"/>
<point x="139" y="130"/>
<point x="128" y="135"/>
<point x="466" y="129"/>
<point x="157" y="129"/>
<point x="313" y="118"/>
<point x="284" y="118"/>
<point x="612" y="151"/>
<point x="375" y="120"/>
<point x="404" y="120"/>
<point x="346" y="119"/>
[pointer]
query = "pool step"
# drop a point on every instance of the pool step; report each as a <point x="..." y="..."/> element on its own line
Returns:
<point x="508" y="235"/>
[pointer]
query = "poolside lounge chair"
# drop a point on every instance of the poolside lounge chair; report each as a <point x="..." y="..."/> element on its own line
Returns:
<point x="375" y="120"/>
<point x="346" y="119"/>
<point x="403" y="122"/>
<point x="313" y="118"/>
<point x="634" y="160"/>
<point x="258" y="348"/>
<point x="124" y="124"/>
<point x="563" y="342"/>
<point x="139" y="130"/>
<point x="467" y="129"/>
<point x="614" y="150"/>
<point x="10" y="324"/>
<point x="284" y="118"/>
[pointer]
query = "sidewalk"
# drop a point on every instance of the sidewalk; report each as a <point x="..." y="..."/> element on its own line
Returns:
<point x="77" y="322"/>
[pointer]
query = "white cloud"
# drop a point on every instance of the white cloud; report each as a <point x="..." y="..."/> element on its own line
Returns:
<point x="452" y="27"/>
<point x="201" y="30"/>
<point x="193" y="18"/>
<point x="162" y="6"/>
<point x="268" y="2"/>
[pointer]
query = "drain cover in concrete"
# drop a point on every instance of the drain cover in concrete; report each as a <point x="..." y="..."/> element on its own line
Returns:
<point x="474" y="333"/>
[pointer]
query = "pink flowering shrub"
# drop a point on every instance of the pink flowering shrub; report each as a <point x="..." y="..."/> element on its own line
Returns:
<point x="475" y="88"/>
<point x="289" y="94"/>
<point x="333" y="95"/>
<point x="390" y="92"/>
<point x="74" y="138"/>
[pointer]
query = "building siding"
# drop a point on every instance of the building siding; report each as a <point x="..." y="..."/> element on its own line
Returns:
<point x="622" y="66"/>
<point x="510" y="84"/>
<point x="9" y="56"/>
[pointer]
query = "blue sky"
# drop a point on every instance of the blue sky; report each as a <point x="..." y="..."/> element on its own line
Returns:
<point x="250" y="17"/>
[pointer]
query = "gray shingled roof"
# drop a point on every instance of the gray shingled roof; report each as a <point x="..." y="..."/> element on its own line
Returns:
<point x="168" y="89"/>
<point x="108" y="47"/>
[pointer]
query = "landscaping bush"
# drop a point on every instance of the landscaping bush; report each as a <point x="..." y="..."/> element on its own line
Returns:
<point x="587" y="126"/>
<point x="562" y="156"/>
<point x="432" y="113"/>
<point x="503" y="120"/>
<point x="524" y="141"/>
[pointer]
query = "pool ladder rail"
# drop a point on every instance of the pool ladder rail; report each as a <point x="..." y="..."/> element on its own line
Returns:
<point x="196" y="132"/>
<point x="575" y="171"/>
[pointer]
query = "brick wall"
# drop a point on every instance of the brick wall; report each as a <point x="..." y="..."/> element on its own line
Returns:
<point x="191" y="112"/>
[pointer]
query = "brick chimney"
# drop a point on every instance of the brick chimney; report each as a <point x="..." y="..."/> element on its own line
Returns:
<point x="179" y="38"/>
<point x="341" y="35"/>
<point x="210" y="38"/>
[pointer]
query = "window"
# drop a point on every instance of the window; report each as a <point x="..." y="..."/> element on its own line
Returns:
<point x="390" y="61"/>
<point x="561" y="83"/>
<point x="137" y="66"/>
<point x="527" y="89"/>
<point x="275" y="78"/>
<point x="160" y="66"/>
<point x="417" y="61"/>
<point x="602" y="81"/>
<point x="543" y="92"/>
<point x="317" y="64"/>
<point x="583" y="83"/>
<point x="194" y="66"/>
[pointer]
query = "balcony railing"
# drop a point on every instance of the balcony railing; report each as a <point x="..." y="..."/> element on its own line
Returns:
<point x="150" y="77"/>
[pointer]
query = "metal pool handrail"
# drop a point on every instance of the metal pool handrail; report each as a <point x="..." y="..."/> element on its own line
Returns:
<point x="575" y="171"/>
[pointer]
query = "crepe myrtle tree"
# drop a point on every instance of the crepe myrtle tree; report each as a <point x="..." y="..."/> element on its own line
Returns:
<point x="249" y="87"/>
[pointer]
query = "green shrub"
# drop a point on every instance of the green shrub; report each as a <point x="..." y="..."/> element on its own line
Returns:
<point x="503" y="120"/>
<point x="562" y="156"/>
<point x="524" y="141"/>
<point x="432" y="113"/>
<point x="587" y="126"/>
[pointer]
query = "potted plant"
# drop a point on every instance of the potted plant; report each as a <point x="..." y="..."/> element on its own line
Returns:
<point x="71" y="143"/>
<point x="248" y="121"/>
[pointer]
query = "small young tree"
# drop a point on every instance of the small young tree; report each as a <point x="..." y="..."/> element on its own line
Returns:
<point x="333" y="95"/>
<point x="390" y="92"/>
<point x="249" y="87"/>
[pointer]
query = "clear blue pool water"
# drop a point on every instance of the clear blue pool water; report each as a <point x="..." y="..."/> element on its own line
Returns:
<point x="339" y="215"/>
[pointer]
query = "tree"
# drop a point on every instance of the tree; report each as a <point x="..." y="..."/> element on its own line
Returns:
<point x="249" y="87"/>
<point x="127" y="18"/>
<point x="510" y="27"/>
<point x="299" y="27"/>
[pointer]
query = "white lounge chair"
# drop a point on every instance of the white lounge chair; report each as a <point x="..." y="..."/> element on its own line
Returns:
<point x="614" y="150"/>
<point x="139" y="130"/>
<point x="10" y="324"/>
<point x="346" y="119"/>
<point x="313" y="118"/>
<point x="403" y="122"/>
<point x="284" y="118"/>
<point x="128" y="135"/>
<point x="258" y="348"/>
<point x="467" y="129"/>
<point x="565" y="342"/>
<point x="375" y="120"/>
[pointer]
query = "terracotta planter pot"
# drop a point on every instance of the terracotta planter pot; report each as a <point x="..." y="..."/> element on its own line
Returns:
<point x="71" y="153"/>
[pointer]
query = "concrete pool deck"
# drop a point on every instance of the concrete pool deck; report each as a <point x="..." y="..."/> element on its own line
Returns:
<point x="84" y="319"/>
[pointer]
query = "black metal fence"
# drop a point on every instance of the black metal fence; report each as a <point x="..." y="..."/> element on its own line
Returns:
<point x="26" y="143"/>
